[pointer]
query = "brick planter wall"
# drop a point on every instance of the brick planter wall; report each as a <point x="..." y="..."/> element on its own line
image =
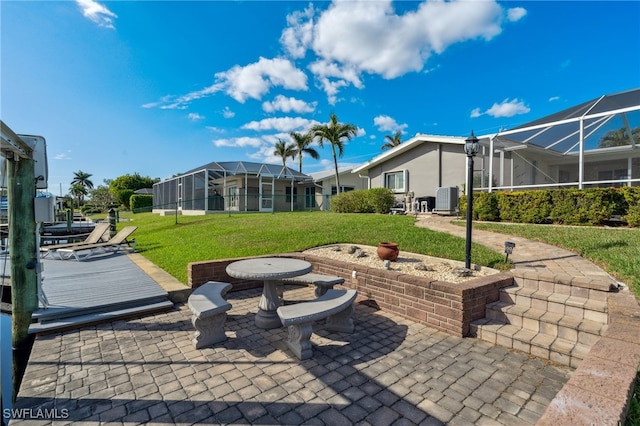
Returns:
<point x="445" y="306"/>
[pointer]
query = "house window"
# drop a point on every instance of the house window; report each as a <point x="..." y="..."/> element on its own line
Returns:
<point x="342" y="189"/>
<point x="310" y="197"/>
<point x="288" y="194"/>
<point x="396" y="181"/>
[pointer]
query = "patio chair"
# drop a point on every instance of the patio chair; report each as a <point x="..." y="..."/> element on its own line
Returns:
<point x="96" y="236"/>
<point x="114" y="245"/>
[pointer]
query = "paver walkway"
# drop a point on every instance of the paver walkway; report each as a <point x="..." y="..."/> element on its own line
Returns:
<point x="527" y="255"/>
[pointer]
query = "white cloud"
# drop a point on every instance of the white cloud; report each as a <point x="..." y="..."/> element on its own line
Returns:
<point x="554" y="98"/>
<point x="63" y="156"/>
<point x="181" y="102"/>
<point x="331" y="77"/>
<point x="251" y="81"/>
<point x="282" y="124"/>
<point x="475" y="113"/>
<point x="254" y="80"/>
<point x="516" y="13"/>
<point x="284" y="104"/>
<point x="97" y="13"/>
<point x="297" y="37"/>
<point x="384" y="123"/>
<point x="194" y="116"/>
<point x="238" y="142"/>
<point x="360" y="36"/>
<point x="507" y="108"/>
<point x="227" y="113"/>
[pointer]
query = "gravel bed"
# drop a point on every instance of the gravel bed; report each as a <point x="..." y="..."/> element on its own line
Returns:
<point x="408" y="263"/>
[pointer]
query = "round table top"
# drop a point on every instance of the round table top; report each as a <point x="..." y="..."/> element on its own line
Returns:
<point x="268" y="268"/>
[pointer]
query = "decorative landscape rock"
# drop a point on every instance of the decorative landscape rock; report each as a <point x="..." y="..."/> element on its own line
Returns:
<point x="359" y="253"/>
<point x="463" y="272"/>
<point x="423" y="267"/>
<point x="436" y="268"/>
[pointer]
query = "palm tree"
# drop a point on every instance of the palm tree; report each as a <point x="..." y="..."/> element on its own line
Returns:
<point x="619" y="137"/>
<point x="82" y="178"/>
<point x="392" y="141"/>
<point x="334" y="132"/>
<point x="283" y="150"/>
<point x="78" y="191"/>
<point x="302" y="142"/>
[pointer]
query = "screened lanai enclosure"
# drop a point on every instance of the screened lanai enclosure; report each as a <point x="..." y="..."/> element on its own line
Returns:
<point x="238" y="186"/>
<point x="596" y="143"/>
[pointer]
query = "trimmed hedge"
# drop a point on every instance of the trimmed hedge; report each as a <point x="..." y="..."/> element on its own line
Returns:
<point x="141" y="203"/>
<point x="375" y="200"/>
<point x="631" y="196"/>
<point x="592" y="206"/>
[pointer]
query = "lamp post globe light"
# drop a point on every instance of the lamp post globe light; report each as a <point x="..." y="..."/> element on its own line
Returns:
<point x="471" y="149"/>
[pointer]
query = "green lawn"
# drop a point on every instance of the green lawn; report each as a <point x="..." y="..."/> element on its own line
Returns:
<point x="172" y="246"/>
<point x="616" y="250"/>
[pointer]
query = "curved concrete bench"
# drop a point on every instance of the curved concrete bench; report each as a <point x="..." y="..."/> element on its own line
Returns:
<point x="335" y="305"/>
<point x="209" y="307"/>
<point x="322" y="282"/>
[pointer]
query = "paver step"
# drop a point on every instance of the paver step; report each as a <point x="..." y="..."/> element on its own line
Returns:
<point x="577" y="330"/>
<point x="556" y="349"/>
<point x="564" y="283"/>
<point x="567" y="305"/>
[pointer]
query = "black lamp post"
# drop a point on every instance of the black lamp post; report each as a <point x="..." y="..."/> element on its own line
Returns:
<point x="471" y="149"/>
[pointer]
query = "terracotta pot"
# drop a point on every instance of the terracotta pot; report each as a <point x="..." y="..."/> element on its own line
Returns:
<point x="388" y="251"/>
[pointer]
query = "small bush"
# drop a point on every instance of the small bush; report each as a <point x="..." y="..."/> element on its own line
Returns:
<point x="376" y="200"/>
<point x="381" y="199"/>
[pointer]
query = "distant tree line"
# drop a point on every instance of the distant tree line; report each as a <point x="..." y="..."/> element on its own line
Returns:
<point x="114" y="193"/>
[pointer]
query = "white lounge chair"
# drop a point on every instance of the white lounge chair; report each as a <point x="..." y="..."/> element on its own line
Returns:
<point x="114" y="245"/>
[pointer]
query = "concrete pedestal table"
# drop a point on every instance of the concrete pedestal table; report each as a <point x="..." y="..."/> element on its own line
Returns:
<point x="270" y="270"/>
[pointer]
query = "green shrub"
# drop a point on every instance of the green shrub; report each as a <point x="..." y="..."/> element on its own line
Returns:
<point x="141" y="203"/>
<point x="507" y="202"/>
<point x="381" y="199"/>
<point x="631" y="195"/>
<point x="485" y="206"/>
<point x="591" y="206"/>
<point x="376" y="200"/>
<point x="524" y="206"/>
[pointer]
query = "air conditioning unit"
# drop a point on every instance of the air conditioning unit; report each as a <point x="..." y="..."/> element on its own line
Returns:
<point x="446" y="200"/>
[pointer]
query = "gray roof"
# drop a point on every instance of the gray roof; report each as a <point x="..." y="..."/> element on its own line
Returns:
<point x="560" y="132"/>
<point x="219" y="169"/>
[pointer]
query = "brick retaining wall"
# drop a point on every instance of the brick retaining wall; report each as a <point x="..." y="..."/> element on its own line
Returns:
<point x="445" y="306"/>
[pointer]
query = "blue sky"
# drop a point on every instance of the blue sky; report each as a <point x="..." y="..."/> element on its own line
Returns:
<point x="161" y="87"/>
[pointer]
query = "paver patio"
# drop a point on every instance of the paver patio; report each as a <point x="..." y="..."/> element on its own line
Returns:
<point x="389" y="371"/>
